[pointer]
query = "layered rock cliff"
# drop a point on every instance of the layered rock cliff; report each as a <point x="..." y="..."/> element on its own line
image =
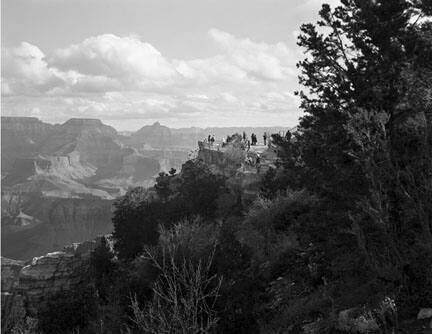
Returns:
<point x="59" y="181"/>
<point x="25" y="286"/>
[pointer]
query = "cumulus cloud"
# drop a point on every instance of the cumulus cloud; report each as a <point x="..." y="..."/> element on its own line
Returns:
<point x="25" y="70"/>
<point x="116" y="77"/>
<point x="126" y="59"/>
<point x="261" y="60"/>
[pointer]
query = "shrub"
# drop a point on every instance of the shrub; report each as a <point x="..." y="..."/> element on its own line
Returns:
<point x="183" y="296"/>
<point x="191" y="238"/>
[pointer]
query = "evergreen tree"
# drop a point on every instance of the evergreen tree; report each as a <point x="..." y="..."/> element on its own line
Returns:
<point x="365" y="142"/>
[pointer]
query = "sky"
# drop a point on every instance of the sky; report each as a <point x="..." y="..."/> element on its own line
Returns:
<point x="134" y="62"/>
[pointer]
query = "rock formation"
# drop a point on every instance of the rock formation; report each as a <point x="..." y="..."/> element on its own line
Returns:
<point x="59" y="181"/>
<point x="26" y="286"/>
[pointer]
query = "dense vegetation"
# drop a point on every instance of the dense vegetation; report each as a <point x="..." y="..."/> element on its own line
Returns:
<point x="343" y="222"/>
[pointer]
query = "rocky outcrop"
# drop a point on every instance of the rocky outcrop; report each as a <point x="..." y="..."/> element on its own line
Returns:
<point x="26" y="286"/>
<point x="226" y="160"/>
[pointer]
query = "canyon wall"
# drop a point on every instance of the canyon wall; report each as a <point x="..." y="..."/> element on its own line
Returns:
<point x="25" y="286"/>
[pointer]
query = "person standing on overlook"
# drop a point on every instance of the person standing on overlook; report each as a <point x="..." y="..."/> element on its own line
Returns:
<point x="254" y="139"/>
<point x="265" y="138"/>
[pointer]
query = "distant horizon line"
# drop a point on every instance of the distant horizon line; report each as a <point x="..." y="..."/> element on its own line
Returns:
<point x="153" y="123"/>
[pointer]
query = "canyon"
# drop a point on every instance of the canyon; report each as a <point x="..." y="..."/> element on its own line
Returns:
<point x="59" y="181"/>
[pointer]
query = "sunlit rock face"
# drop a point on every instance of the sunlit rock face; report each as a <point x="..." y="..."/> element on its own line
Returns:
<point x="89" y="141"/>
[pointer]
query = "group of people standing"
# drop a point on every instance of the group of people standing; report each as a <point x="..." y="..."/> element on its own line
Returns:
<point x="211" y="139"/>
<point x="253" y="141"/>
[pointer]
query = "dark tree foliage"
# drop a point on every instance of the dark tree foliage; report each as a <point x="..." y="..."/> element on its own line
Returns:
<point x="240" y="290"/>
<point x="199" y="189"/>
<point x="135" y="223"/>
<point x="136" y="217"/>
<point x="163" y="185"/>
<point x="288" y="171"/>
<point x="103" y="268"/>
<point x="365" y="142"/>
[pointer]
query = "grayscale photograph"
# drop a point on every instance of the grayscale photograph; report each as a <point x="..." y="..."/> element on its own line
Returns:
<point x="216" y="166"/>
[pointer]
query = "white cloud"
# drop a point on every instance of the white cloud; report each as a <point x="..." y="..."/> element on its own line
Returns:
<point x="115" y="77"/>
<point x="261" y="60"/>
<point x="124" y="58"/>
<point x="25" y="70"/>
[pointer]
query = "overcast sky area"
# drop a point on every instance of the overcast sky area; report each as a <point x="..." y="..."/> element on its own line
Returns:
<point x="133" y="62"/>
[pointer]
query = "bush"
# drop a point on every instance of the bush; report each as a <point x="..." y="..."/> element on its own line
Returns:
<point x="183" y="296"/>
<point x="192" y="238"/>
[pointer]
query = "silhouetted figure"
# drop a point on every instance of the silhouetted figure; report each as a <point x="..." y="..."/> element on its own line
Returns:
<point x="265" y="138"/>
<point x="254" y="139"/>
<point x="248" y="145"/>
<point x="244" y="136"/>
<point x="212" y="140"/>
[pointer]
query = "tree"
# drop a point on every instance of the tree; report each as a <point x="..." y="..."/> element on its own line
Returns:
<point x="163" y="185"/>
<point x="135" y="223"/>
<point x="359" y="149"/>
<point x="103" y="268"/>
<point x="199" y="189"/>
